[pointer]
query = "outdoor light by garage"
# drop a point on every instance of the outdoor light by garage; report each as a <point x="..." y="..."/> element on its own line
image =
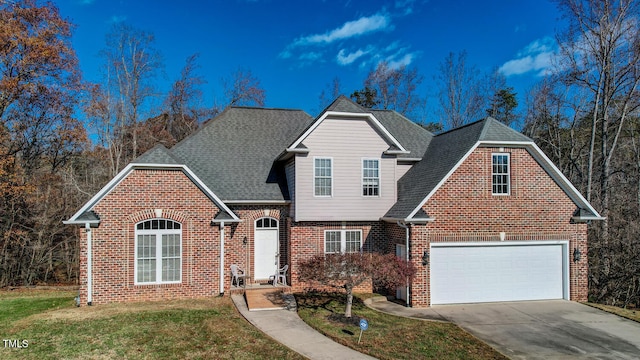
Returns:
<point x="425" y="258"/>
<point x="576" y="255"/>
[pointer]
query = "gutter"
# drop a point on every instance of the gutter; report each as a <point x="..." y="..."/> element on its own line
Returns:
<point x="221" y="287"/>
<point x="406" y="244"/>
<point x="87" y="229"/>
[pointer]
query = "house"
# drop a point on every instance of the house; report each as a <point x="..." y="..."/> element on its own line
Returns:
<point x="480" y="209"/>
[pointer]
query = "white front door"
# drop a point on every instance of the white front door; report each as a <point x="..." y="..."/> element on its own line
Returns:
<point x="265" y="248"/>
<point x="401" y="252"/>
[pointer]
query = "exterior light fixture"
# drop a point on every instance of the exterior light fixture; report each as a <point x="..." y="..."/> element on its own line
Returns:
<point x="244" y="241"/>
<point x="576" y="255"/>
<point x="425" y="258"/>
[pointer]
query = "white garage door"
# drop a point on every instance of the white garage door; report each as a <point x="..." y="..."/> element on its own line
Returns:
<point x="497" y="272"/>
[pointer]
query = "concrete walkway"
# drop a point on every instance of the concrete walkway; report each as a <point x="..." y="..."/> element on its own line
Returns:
<point x="286" y="327"/>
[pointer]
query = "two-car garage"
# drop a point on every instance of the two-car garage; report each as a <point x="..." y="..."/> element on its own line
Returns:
<point x="498" y="271"/>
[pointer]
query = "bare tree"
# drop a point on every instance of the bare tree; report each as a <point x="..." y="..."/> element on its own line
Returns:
<point x="600" y="52"/>
<point x="392" y="88"/>
<point x="131" y="63"/>
<point x="329" y="93"/>
<point x="242" y="88"/>
<point x="184" y="101"/>
<point x="460" y="91"/>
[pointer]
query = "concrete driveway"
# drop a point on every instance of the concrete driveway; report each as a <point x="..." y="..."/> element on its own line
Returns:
<point x="548" y="329"/>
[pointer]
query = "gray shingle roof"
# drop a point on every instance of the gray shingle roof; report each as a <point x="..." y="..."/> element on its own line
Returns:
<point x="234" y="153"/>
<point x="344" y="104"/>
<point x="443" y="153"/>
<point x="157" y="155"/>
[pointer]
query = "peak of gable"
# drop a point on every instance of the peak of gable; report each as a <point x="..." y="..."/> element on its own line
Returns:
<point x="157" y="155"/>
<point x="344" y="104"/>
<point x="494" y="130"/>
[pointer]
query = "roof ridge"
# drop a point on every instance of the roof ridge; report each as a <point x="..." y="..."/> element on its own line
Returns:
<point x="461" y="127"/>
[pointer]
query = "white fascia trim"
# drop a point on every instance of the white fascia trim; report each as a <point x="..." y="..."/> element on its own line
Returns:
<point x="222" y="221"/>
<point x="369" y="116"/>
<point x="442" y="181"/>
<point x="80" y="222"/>
<point x="408" y="220"/>
<point x="396" y="152"/>
<point x="582" y="219"/>
<point x="127" y="170"/>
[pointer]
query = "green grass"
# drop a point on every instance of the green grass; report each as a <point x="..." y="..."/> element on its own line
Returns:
<point x="631" y="314"/>
<point x="388" y="336"/>
<point x="203" y="329"/>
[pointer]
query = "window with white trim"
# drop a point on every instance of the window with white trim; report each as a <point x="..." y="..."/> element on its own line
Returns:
<point x="158" y="252"/>
<point x="342" y="241"/>
<point x="370" y="177"/>
<point x="322" y="176"/>
<point x="500" y="174"/>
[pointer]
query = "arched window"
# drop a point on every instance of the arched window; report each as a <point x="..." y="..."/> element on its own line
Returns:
<point x="266" y="223"/>
<point x="158" y="252"/>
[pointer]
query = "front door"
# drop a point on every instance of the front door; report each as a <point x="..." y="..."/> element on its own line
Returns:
<point x="266" y="255"/>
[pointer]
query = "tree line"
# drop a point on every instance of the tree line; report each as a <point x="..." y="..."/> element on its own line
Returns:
<point x="583" y="114"/>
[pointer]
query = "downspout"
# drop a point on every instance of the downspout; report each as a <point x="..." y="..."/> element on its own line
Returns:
<point x="222" y="258"/>
<point x="406" y="246"/>
<point x="87" y="229"/>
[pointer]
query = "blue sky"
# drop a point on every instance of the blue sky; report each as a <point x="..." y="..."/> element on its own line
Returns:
<point x="296" y="48"/>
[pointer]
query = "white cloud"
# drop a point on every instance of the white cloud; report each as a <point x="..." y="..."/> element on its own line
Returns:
<point x="536" y="57"/>
<point x="346" y="59"/>
<point x="349" y="29"/>
<point x="406" y="6"/>
<point x="405" y="60"/>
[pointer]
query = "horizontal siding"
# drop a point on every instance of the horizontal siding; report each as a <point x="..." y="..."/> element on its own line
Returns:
<point x="347" y="142"/>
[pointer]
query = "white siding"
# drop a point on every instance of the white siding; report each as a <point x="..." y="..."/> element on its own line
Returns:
<point x="402" y="169"/>
<point x="347" y="142"/>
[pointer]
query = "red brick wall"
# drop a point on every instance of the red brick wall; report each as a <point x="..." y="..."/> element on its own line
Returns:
<point x="465" y="210"/>
<point x="133" y="200"/>
<point x="307" y="240"/>
<point x="237" y="252"/>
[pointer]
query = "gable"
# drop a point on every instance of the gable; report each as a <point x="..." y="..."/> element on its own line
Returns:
<point x="356" y="136"/>
<point x="394" y="145"/>
<point x="466" y="199"/>
<point x="449" y="150"/>
<point x="80" y="217"/>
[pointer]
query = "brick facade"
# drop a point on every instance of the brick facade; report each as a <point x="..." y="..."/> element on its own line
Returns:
<point x="466" y="211"/>
<point x="135" y="199"/>
<point x="307" y="240"/>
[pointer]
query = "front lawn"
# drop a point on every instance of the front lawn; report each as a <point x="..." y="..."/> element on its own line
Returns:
<point x="55" y="329"/>
<point x="388" y="336"/>
<point x="631" y="314"/>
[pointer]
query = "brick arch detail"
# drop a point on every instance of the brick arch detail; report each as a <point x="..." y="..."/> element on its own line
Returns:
<point x="151" y="214"/>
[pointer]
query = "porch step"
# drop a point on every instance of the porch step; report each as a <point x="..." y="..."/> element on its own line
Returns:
<point x="273" y="298"/>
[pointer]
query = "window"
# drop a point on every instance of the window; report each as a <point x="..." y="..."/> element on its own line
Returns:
<point x="340" y="241"/>
<point x="370" y="177"/>
<point x="500" y="174"/>
<point x="323" y="175"/>
<point x="158" y="252"/>
<point x="269" y="223"/>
